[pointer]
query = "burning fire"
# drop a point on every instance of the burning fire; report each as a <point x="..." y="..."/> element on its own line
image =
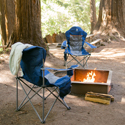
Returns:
<point x="90" y="77"/>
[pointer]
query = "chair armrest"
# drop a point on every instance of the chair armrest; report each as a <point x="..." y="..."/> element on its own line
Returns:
<point x="72" y="67"/>
<point x="64" y="45"/>
<point x="69" y="70"/>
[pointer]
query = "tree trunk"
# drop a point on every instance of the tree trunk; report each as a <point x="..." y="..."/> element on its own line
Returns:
<point x="7" y="9"/>
<point x="2" y="17"/>
<point x="21" y="21"/>
<point x="93" y="14"/>
<point x="28" y="22"/>
<point x="111" y="17"/>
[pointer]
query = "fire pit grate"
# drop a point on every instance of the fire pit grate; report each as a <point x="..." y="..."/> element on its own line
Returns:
<point x="101" y="83"/>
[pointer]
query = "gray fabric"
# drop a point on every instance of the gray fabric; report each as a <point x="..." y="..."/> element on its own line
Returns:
<point x="51" y="78"/>
<point x="76" y="44"/>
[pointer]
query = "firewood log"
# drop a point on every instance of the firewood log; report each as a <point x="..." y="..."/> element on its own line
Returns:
<point x="99" y="97"/>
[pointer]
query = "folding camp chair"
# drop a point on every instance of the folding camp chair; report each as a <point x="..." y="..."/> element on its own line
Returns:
<point x="32" y="64"/>
<point x="74" y="46"/>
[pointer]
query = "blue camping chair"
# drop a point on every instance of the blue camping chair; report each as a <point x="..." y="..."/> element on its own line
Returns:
<point x="74" y="46"/>
<point x="36" y="74"/>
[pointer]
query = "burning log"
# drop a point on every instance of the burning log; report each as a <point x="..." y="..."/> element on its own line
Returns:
<point x="90" y="77"/>
<point x="99" y="97"/>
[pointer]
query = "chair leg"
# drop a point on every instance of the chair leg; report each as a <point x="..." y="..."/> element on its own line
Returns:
<point x="86" y="59"/>
<point x="55" y="89"/>
<point x="66" y="105"/>
<point x="83" y="64"/>
<point x="43" y="118"/>
<point x="63" y="102"/>
<point x="22" y="103"/>
<point x="43" y="121"/>
<point x="65" y="59"/>
<point x="66" y="64"/>
<point x="50" y="109"/>
<point x="86" y="64"/>
<point x="16" y="94"/>
<point x="31" y="102"/>
<point x="31" y="89"/>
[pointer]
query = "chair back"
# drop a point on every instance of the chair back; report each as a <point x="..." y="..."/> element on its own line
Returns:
<point x="75" y="39"/>
<point x="33" y="59"/>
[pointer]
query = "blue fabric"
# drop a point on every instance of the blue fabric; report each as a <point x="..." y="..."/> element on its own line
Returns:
<point x="75" y="31"/>
<point x="65" y="90"/>
<point x="31" y="64"/>
<point x="63" y="46"/>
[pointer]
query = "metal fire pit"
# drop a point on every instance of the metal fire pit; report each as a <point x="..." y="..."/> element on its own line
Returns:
<point x="102" y="83"/>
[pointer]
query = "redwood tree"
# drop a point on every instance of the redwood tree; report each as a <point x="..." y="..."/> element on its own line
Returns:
<point x="93" y="14"/>
<point x="27" y="21"/>
<point x="111" y="17"/>
<point x="7" y="14"/>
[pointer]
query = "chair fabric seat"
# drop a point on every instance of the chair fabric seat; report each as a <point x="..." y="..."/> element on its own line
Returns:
<point x="31" y="64"/>
<point x="83" y="53"/>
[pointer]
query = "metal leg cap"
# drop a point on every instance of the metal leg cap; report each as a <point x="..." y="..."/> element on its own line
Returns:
<point x="43" y="122"/>
<point x="68" y="108"/>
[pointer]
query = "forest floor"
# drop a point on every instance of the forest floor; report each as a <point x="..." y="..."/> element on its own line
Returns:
<point x="109" y="57"/>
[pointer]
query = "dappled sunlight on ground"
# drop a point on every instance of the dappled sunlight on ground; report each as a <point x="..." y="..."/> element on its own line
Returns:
<point x="123" y="100"/>
<point x="109" y="53"/>
<point x="48" y="64"/>
<point x="123" y="62"/>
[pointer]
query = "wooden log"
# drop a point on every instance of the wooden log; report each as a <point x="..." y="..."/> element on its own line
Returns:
<point x="54" y="37"/>
<point x="60" y="37"/>
<point x="96" y="42"/>
<point x="101" y="94"/>
<point x="89" y="37"/>
<point x="49" y="39"/>
<point x="99" y="97"/>
<point x="3" y="46"/>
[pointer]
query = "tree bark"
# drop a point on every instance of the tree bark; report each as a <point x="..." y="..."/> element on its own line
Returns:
<point x="21" y="22"/>
<point x="111" y="16"/>
<point x="93" y="14"/>
<point x="2" y="17"/>
<point x="7" y="10"/>
<point x="28" y="22"/>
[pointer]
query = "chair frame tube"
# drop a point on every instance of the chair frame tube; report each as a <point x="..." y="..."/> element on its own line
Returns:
<point x="85" y="58"/>
<point x="43" y="87"/>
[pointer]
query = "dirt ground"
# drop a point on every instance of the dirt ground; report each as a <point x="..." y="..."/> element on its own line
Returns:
<point x="110" y="57"/>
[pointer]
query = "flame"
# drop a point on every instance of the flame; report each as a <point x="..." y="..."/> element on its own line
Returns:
<point x="90" y="77"/>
